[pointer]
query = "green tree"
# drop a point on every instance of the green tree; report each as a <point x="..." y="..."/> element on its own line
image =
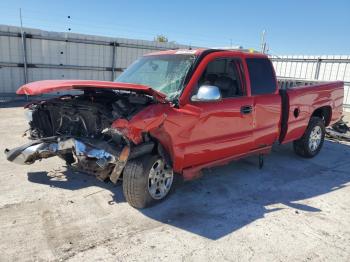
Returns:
<point x="161" y="39"/>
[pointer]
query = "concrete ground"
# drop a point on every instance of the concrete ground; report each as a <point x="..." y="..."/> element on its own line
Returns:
<point x="293" y="209"/>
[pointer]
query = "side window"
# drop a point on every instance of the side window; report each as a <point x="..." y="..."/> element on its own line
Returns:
<point x="225" y="74"/>
<point x="262" y="80"/>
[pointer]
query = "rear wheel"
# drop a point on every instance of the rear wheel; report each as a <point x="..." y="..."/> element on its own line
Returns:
<point x="310" y="144"/>
<point x="146" y="181"/>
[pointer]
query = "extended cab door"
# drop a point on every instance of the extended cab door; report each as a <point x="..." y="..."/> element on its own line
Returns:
<point x="266" y="101"/>
<point x="224" y="128"/>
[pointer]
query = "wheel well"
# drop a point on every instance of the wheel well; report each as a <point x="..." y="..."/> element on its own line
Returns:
<point x="325" y="113"/>
<point x="164" y="153"/>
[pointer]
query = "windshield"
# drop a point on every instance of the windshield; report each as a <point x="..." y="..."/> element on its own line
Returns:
<point x="164" y="73"/>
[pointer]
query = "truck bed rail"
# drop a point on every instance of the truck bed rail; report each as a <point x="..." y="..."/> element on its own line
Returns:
<point x="290" y="82"/>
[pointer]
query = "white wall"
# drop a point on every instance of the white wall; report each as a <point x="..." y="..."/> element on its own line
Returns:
<point x="45" y="53"/>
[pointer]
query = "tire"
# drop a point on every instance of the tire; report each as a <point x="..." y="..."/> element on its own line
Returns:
<point x="307" y="146"/>
<point x="138" y="175"/>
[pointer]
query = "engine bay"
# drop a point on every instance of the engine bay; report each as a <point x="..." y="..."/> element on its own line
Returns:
<point x="85" y="115"/>
<point x="78" y="129"/>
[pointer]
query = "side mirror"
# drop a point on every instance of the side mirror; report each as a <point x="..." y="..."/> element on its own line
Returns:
<point x="207" y="93"/>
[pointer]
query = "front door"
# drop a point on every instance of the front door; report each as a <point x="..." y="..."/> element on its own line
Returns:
<point x="224" y="128"/>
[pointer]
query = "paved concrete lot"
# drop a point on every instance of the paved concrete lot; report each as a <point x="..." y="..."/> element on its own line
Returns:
<point x="292" y="210"/>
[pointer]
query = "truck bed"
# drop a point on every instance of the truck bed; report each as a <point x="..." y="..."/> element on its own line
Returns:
<point x="302" y="98"/>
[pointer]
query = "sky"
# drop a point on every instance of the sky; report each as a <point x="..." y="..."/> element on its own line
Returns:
<point x="307" y="27"/>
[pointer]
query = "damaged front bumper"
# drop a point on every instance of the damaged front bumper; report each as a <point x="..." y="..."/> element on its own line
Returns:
<point x="44" y="148"/>
<point x="95" y="157"/>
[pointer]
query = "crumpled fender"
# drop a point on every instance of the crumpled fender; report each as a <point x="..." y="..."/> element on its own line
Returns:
<point x="171" y="126"/>
<point x="133" y="130"/>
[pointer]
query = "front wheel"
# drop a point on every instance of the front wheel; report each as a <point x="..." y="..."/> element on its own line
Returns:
<point x="146" y="181"/>
<point x="310" y="144"/>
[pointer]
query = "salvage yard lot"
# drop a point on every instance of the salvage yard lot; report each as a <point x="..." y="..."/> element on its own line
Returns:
<point x="294" y="209"/>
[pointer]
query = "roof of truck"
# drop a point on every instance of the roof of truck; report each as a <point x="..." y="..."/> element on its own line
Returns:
<point x="199" y="51"/>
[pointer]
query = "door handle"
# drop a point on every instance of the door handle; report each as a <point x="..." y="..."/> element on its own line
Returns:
<point x="246" y="109"/>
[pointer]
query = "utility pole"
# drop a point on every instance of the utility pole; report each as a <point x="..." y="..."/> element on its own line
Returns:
<point x="263" y="42"/>
<point x="24" y="48"/>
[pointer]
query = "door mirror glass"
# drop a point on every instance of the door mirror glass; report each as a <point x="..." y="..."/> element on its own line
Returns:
<point x="207" y="93"/>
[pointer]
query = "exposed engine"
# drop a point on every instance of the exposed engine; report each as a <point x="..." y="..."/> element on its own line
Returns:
<point x="85" y="115"/>
<point x="77" y="129"/>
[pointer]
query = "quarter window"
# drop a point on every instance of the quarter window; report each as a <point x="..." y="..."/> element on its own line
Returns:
<point x="262" y="79"/>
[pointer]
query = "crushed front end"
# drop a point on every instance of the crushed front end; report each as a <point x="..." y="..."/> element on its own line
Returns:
<point x="78" y="129"/>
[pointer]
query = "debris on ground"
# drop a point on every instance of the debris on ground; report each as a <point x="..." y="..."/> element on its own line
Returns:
<point x="339" y="131"/>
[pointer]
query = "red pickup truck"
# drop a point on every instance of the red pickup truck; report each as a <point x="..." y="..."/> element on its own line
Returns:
<point x="175" y="112"/>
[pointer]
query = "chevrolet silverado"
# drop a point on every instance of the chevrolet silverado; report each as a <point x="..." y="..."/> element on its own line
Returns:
<point x="174" y="113"/>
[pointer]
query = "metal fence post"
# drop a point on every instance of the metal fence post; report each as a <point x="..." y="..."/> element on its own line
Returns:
<point x="318" y="66"/>
<point x="23" y="36"/>
<point x="113" y="59"/>
<point x="24" y="46"/>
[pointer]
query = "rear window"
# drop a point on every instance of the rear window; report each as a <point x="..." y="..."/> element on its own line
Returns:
<point x="262" y="80"/>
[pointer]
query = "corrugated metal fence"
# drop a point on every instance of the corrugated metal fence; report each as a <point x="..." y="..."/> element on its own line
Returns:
<point x="52" y="55"/>
<point x="321" y="68"/>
